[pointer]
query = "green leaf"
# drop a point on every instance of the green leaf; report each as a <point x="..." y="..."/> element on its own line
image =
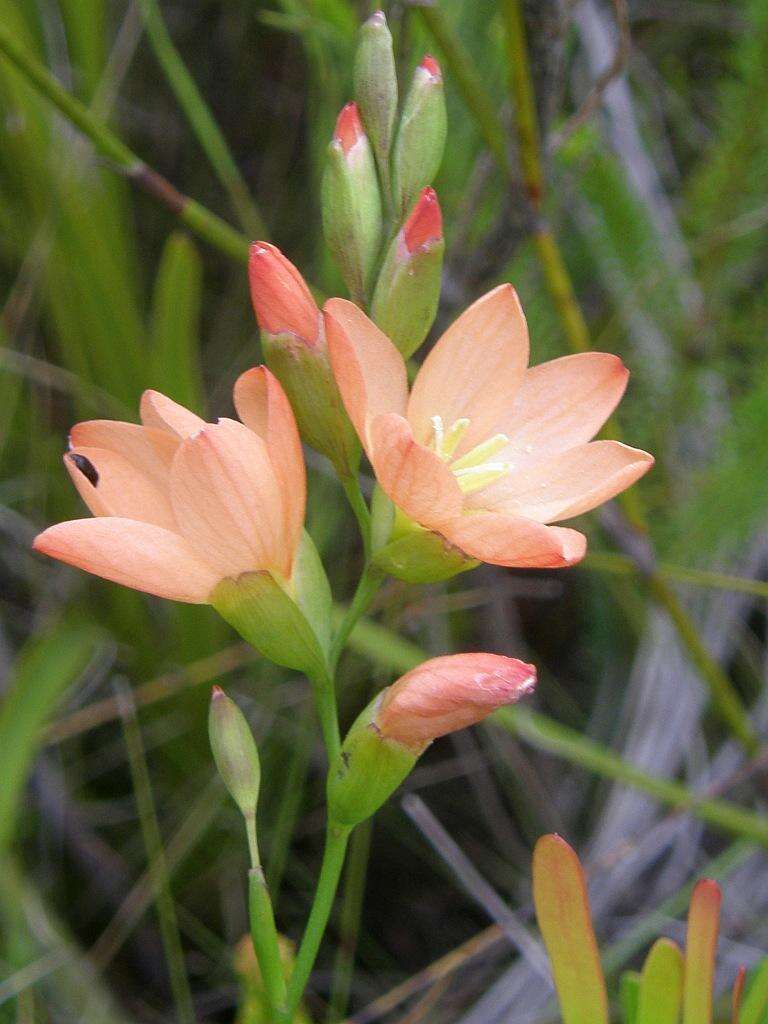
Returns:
<point x="176" y="322"/>
<point x="756" y="1000"/>
<point x="700" y="948"/>
<point x="629" y="994"/>
<point x="562" y="910"/>
<point x="661" y="984"/>
<point x="43" y="671"/>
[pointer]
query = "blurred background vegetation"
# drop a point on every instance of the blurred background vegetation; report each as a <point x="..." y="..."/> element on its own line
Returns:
<point x="121" y="885"/>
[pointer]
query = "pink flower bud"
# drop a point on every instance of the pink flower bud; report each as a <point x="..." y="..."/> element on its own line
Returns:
<point x="449" y="693"/>
<point x="425" y="224"/>
<point x="349" y="131"/>
<point x="282" y="302"/>
<point x="430" y="65"/>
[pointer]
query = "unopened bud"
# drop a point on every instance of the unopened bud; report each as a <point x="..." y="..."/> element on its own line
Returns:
<point x="351" y="203"/>
<point x="408" y="289"/>
<point x="421" y="136"/>
<point x="282" y="302"/>
<point x="439" y="696"/>
<point x="293" y="343"/>
<point x="376" y="86"/>
<point x="234" y="750"/>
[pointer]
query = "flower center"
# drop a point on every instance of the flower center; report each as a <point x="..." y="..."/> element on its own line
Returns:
<point x="476" y="468"/>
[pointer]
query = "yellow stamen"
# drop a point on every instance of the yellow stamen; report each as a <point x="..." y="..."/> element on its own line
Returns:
<point x="481" y="453"/>
<point x="454" y="436"/>
<point x="472" y="478"/>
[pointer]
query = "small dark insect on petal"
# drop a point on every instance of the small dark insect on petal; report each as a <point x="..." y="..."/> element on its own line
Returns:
<point x="86" y="467"/>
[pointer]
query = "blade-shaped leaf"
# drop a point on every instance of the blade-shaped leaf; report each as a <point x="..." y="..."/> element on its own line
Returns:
<point x="629" y="995"/>
<point x="562" y="910"/>
<point x="738" y="992"/>
<point x="700" y="948"/>
<point x="755" y="1003"/>
<point x="661" y="984"/>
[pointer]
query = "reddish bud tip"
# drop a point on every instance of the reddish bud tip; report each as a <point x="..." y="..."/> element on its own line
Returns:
<point x="377" y="18"/>
<point x="425" y="223"/>
<point x="349" y="128"/>
<point x="216" y="691"/>
<point x="431" y="66"/>
<point x="281" y="299"/>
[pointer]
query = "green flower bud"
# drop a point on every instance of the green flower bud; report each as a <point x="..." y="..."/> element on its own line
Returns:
<point x="421" y="136"/>
<point x="351" y="203"/>
<point x="366" y="771"/>
<point x="234" y="751"/>
<point x="408" y="289"/>
<point x="376" y="86"/>
<point x="287" y="621"/>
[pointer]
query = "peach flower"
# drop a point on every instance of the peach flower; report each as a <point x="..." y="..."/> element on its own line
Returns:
<point x="180" y="504"/>
<point x="485" y="452"/>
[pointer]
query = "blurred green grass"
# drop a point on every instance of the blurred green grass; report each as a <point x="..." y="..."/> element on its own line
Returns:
<point x="104" y="295"/>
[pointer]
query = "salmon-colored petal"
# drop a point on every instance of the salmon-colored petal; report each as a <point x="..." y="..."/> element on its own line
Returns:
<point x="369" y="371"/>
<point x="227" y="501"/>
<point x="149" y="451"/>
<point x="448" y="693"/>
<point x="474" y="370"/>
<point x="263" y="407"/>
<point x="111" y="486"/>
<point x="162" y="413"/>
<point x="515" y="542"/>
<point x="561" y="404"/>
<point x="138" y="555"/>
<point x="414" y="477"/>
<point x="565" y="485"/>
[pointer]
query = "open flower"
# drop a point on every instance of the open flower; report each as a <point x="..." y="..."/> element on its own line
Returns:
<point x="485" y="452"/>
<point x="180" y="504"/>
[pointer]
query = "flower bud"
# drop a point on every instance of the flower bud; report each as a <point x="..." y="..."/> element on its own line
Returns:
<point x="293" y="342"/>
<point x="421" y="135"/>
<point x="438" y="697"/>
<point x="408" y="289"/>
<point x="288" y="621"/>
<point x="351" y="203"/>
<point x="234" y="751"/>
<point x="376" y="86"/>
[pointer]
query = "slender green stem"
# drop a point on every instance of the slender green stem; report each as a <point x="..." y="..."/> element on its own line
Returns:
<point x="369" y="583"/>
<point x="325" y="701"/>
<point x="265" y="944"/>
<point x="349" y="925"/>
<point x="336" y="840"/>
<point x="549" y="735"/>
<point x="157" y="866"/>
<point x="199" y="219"/>
<point x="203" y="123"/>
<point x="360" y="508"/>
<point x="622" y="565"/>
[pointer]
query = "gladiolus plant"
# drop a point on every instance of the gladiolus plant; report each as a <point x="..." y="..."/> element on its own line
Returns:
<point x="476" y="462"/>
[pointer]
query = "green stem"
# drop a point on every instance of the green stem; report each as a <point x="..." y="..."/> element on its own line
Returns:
<point x="622" y="565"/>
<point x="349" y="924"/>
<point x="546" y="734"/>
<point x="203" y="123"/>
<point x="369" y="583"/>
<point x="325" y="701"/>
<point x="337" y="837"/>
<point x="265" y="944"/>
<point x="199" y="219"/>
<point x="360" y="508"/>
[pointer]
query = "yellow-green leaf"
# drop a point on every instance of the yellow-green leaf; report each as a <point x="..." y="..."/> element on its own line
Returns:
<point x="562" y="910"/>
<point x="661" y="984"/>
<point x="700" y="948"/>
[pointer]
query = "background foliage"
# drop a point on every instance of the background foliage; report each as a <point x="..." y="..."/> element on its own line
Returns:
<point x="659" y="204"/>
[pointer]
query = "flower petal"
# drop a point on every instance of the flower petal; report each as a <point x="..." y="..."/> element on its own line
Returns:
<point x="561" y="404"/>
<point x="138" y="555"/>
<point x="448" y="693"/>
<point x="515" y="542"/>
<point x="263" y="407"/>
<point x="414" y="477"/>
<point x="149" y="451"/>
<point x="474" y="370"/>
<point x="369" y="370"/>
<point x="227" y="501"/>
<point x="111" y="486"/>
<point x="567" y="484"/>
<point x="162" y="413"/>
